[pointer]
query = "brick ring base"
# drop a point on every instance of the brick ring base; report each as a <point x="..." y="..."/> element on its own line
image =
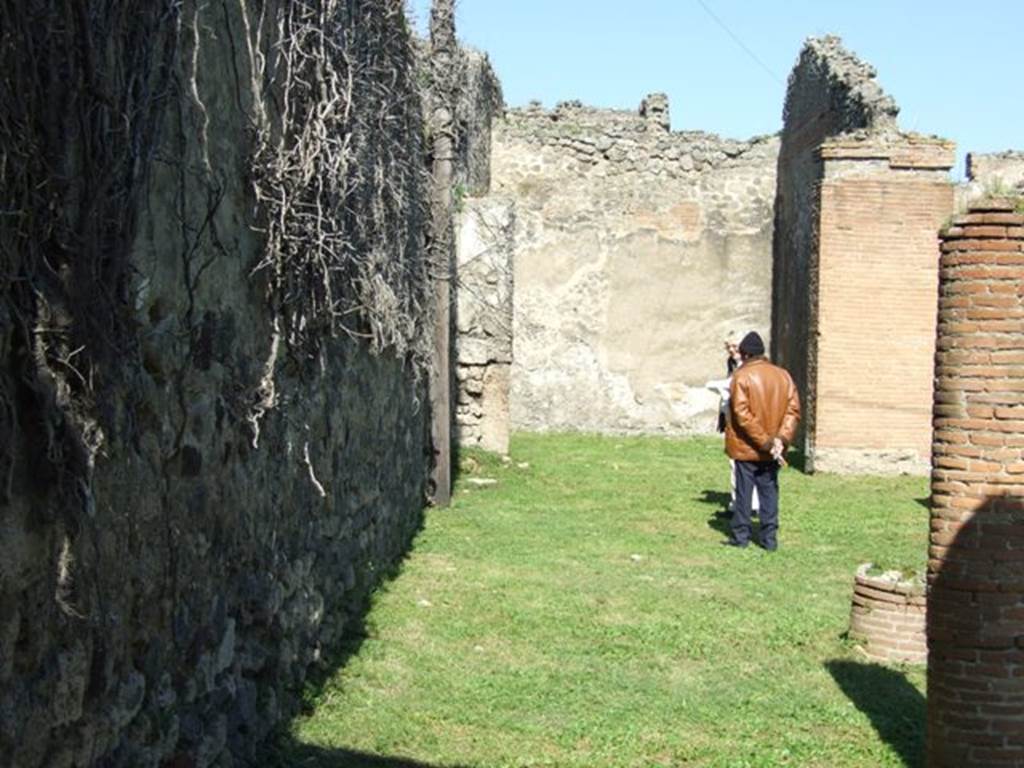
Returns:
<point x="888" y="617"/>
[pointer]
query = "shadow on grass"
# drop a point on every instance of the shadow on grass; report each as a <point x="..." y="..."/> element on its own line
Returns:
<point x="292" y="754"/>
<point x="719" y="521"/>
<point x="282" y="750"/>
<point x="718" y="499"/>
<point x="895" y="708"/>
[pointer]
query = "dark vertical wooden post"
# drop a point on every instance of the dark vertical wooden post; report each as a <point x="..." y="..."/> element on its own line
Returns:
<point x="442" y="57"/>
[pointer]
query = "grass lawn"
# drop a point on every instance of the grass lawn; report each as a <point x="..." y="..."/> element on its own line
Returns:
<point x="581" y="612"/>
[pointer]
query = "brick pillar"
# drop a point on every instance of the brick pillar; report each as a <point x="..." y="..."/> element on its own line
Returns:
<point x="976" y="553"/>
<point x="873" y="319"/>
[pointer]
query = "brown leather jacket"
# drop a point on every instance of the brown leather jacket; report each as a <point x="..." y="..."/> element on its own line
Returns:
<point x="763" y="405"/>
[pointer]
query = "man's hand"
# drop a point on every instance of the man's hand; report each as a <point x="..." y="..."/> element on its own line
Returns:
<point x="779" y="451"/>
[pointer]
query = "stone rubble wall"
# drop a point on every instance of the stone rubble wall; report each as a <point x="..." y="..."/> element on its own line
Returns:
<point x="990" y="174"/>
<point x="483" y="320"/>
<point x="857" y="211"/>
<point x="244" y="503"/>
<point x="482" y="308"/>
<point x="976" y="547"/>
<point x="637" y="251"/>
<point x="479" y="101"/>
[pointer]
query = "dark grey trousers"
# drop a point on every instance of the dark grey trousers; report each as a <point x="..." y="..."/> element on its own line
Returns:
<point x="763" y="475"/>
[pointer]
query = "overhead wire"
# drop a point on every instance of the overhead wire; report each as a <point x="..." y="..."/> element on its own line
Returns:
<point x="768" y="70"/>
<point x="746" y="49"/>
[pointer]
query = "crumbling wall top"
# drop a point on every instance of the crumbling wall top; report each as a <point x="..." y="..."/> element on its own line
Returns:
<point x="631" y="140"/>
<point x="828" y="77"/>
<point x="652" y="116"/>
<point x="480" y="81"/>
<point x="654" y="109"/>
<point x="1000" y="171"/>
<point x="479" y="99"/>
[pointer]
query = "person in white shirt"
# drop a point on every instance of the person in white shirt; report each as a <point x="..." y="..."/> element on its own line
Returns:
<point x="721" y="386"/>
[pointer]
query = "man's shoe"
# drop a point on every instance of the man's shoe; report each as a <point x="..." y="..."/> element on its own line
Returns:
<point x="770" y="547"/>
<point x="734" y="543"/>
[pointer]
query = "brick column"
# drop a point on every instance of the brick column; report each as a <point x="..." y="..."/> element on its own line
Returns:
<point x="976" y="553"/>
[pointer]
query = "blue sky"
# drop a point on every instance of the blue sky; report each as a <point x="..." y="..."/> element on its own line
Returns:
<point x="954" y="68"/>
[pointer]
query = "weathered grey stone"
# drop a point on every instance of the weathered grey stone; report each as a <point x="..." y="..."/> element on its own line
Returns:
<point x="226" y="650"/>
<point x="484" y="308"/>
<point x="128" y="701"/>
<point x="213" y="743"/>
<point x="857" y="100"/>
<point x="10" y="623"/>
<point x="617" y="153"/>
<point x="64" y="757"/>
<point x="72" y="678"/>
<point x="996" y="173"/>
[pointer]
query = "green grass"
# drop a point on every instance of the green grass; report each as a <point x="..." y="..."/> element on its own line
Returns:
<point x="582" y="613"/>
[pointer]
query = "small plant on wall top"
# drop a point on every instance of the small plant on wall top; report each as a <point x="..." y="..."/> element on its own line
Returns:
<point x="901" y="572"/>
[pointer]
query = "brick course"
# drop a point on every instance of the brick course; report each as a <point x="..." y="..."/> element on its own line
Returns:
<point x="976" y="552"/>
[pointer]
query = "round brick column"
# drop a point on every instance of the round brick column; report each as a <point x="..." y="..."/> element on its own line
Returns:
<point x="976" y="553"/>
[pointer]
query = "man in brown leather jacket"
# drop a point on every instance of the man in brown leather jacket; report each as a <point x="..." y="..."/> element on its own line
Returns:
<point x="765" y="410"/>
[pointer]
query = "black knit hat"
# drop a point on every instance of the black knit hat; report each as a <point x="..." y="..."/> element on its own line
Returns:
<point x="752" y="345"/>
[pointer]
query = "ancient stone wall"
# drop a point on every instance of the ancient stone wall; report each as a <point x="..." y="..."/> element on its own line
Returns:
<point x="482" y="308"/>
<point x="830" y="92"/>
<point x="997" y="169"/>
<point x="162" y="600"/>
<point x="857" y="209"/>
<point x="991" y="174"/>
<point x="637" y="251"/>
<point x="483" y="317"/>
<point x="479" y="102"/>
<point x="976" y="552"/>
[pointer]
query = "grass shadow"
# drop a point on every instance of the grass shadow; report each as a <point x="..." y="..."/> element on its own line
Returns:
<point x="281" y="749"/>
<point x="718" y="499"/>
<point x="292" y="754"/>
<point x="896" y="709"/>
<point x="356" y="633"/>
<point x="720" y="520"/>
<point x="720" y="523"/>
